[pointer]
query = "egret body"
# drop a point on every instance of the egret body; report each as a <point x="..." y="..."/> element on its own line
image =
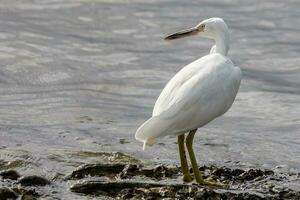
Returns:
<point x="200" y="92"/>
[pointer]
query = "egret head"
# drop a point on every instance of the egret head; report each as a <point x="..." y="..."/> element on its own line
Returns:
<point x="210" y="28"/>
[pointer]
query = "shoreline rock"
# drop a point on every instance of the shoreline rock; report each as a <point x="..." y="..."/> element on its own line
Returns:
<point x="156" y="182"/>
<point x="121" y="179"/>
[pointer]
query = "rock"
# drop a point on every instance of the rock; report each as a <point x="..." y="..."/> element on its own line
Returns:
<point x="227" y="174"/>
<point x="98" y="169"/>
<point x="113" y="188"/>
<point x="289" y="194"/>
<point x="251" y="174"/>
<point x="28" y="197"/>
<point x="129" y="171"/>
<point x="26" y="194"/>
<point x="122" y="171"/>
<point x="6" y="193"/>
<point x="10" y="174"/>
<point x="135" y="181"/>
<point x="152" y="190"/>
<point x="33" y="181"/>
<point x="109" y="157"/>
<point x="156" y="172"/>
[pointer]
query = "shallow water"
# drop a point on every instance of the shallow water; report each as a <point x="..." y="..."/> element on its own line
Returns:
<point x="83" y="75"/>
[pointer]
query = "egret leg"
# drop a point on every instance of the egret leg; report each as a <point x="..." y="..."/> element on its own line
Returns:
<point x="184" y="166"/>
<point x="197" y="174"/>
<point x="189" y="146"/>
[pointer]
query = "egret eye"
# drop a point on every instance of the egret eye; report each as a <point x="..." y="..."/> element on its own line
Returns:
<point x="201" y="27"/>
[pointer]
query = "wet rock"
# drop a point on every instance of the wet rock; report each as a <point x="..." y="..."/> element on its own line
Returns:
<point x="160" y="171"/>
<point x="227" y="173"/>
<point x="6" y="193"/>
<point x="252" y="174"/>
<point x="151" y="190"/>
<point x="122" y="171"/>
<point x="108" y="157"/>
<point x="156" y="172"/>
<point x="33" y="181"/>
<point x="26" y="194"/>
<point x="28" y="197"/>
<point x="113" y="188"/>
<point x="129" y="171"/>
<point x="11" y="164"/>
<point x="98" y="169"/>
<point x="134" y="181"/>
<point x="10" y="174"/>
<point x="289" y="194"/>
<point x="241" y="175"/>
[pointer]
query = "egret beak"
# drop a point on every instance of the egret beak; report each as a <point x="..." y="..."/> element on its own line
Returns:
<point x="185" y="33"/>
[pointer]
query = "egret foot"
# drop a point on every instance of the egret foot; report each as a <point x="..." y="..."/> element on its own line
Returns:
<point x="210" y="182"/>
<point x="197" y="173"/>
<point x="187" y="178"/>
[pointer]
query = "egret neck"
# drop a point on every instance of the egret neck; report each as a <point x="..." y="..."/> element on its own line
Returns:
<point x="222" y="42"/>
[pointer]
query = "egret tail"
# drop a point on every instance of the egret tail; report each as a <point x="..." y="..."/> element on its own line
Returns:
<point x="151" y="129"/>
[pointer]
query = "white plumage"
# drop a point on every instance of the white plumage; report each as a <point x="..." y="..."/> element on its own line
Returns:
<point x="199" y="92"/>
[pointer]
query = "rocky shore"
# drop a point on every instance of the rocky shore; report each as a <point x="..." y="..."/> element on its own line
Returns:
<point x="135" y="180"/>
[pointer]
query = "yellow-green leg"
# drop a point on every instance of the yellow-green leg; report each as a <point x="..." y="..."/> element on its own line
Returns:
<point x="197" y="174"/>
<point x="189" y="146"/>
<point x="184" y="166"/>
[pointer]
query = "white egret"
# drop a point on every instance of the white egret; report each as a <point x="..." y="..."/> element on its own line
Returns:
<point x="200" y="92"/>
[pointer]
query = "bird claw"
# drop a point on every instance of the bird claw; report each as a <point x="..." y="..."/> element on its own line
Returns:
<point x="187" y="178"/>
<point x="211" y="182"/>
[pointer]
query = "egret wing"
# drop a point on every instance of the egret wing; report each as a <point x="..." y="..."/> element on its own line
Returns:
<point x="170" y="91"/>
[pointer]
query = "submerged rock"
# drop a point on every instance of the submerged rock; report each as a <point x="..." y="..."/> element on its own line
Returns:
<point x="10" y="174"/>
<point x="33" y="180"/>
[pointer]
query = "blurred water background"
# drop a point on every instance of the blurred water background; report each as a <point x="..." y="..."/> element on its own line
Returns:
<point x="82" y="75"/>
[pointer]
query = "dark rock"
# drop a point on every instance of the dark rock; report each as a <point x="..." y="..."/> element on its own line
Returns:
<point x="10" y="174"/>
<point x="33" y="181"/>
<point x="157" y="172"/>
<point x="224" y="173"/>
<point x="6" y="193"/>
<point x="163" y="171"/>
<point x="129" y="171"/>
<point x="135" y="181"/>
<point x="251" y="174"/>
<point x="26" y="194"/>
<point x="28" y="197"/>
<point x="289" y="194"/>
<point x="114" y="187"/>
<point x="126" y="193"/>
<point x="151" y="190"/>
<point x="98" y="169"/>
